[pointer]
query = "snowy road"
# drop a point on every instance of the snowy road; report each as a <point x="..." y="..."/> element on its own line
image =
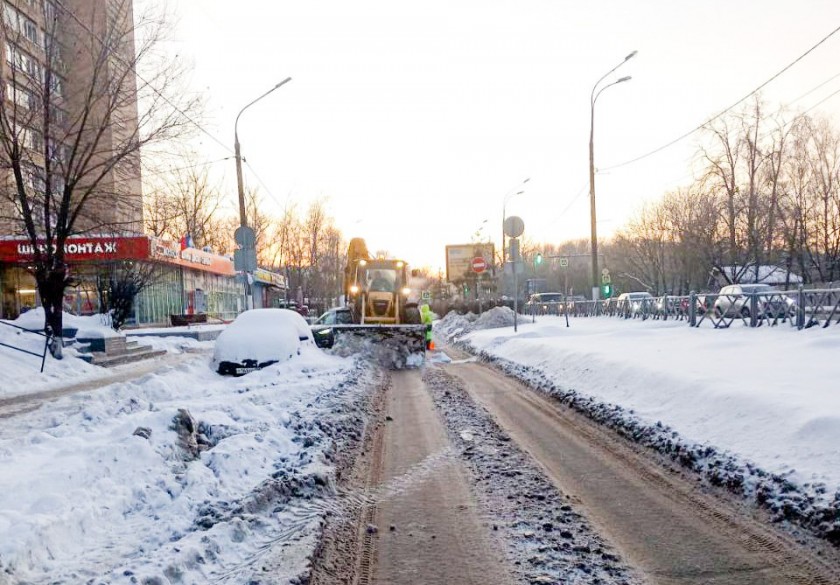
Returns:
<point x="472" y="477"/>
<point x="672" y="531"/>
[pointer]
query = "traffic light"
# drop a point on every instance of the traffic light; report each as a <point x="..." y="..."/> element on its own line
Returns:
<point x="538" y="259"/>
<point x="606" y="290"/>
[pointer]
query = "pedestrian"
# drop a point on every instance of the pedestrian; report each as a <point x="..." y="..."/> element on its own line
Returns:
<point x="426" y="319"/>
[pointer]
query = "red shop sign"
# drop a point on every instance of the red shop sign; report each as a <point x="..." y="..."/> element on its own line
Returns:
<point x="82" y="248"/>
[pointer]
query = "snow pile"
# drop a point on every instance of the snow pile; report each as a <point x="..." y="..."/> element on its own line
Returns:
<point x="88" y="326"/>
<point x="494" y="318"/>
<point x="21" y="371"/>
<point x="263" y="335"/>
<point x="736" y="405"/>
<point x="183" y="476"/>
<point x="390" y="352"/>
<point x="454" y="325"/>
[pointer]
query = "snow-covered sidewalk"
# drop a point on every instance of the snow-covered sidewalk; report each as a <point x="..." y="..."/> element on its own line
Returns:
<point x="99" y="486"/>
<point x="767" y="399"/>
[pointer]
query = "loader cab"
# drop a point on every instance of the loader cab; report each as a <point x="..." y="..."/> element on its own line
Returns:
<point x="379" y="291"/>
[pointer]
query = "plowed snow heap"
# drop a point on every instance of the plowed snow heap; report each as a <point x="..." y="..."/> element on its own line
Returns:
<point x="454" y="325"/>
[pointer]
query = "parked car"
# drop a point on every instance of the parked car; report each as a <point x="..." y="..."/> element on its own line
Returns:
<point x="735" y="300"/>
<point x="259" y="338"/>
<point x="671" y="305"/>
<point x="703" y="303"/>
<point x="633" y="303"/>
<point x="545" y="304"/>
<point x="323" y="334"/>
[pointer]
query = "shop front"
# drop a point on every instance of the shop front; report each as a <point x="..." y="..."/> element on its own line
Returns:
<point x="269" y="289"/>
<point x="177" y="281"/>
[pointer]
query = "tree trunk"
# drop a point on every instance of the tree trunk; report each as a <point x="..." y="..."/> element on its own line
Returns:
<point x="51" y="284"/>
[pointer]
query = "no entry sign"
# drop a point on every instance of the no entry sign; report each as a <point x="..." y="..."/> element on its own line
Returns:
<point x="479" y="265"/>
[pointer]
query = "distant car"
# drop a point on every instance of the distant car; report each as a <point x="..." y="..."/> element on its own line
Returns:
<point x="545" y="304"/>
<point x="672" y="305"/>
<point x="735" y="300"/>
<point x="259" y="338"/>
<point x="322" y="331"/>
<point x="703" y="303"/>
<point x="633" y="303"/>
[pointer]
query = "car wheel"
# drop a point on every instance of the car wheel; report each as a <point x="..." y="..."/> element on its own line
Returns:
<point x="745" y="313"/>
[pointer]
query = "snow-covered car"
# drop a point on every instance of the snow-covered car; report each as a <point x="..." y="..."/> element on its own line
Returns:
<point x="259" y="338"/>
<point x="322" y="330"/>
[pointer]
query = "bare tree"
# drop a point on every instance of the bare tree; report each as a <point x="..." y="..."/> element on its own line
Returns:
<point x="159" y="214"/>
<point x="71" y="131"/>
<point x="196" y="202"/>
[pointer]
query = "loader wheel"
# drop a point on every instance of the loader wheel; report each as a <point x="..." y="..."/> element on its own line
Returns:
<point x="412" y="315"/>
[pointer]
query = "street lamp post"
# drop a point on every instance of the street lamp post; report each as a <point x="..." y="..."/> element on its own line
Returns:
<point x="594" y="240"/>
<point x="243" y="215"/>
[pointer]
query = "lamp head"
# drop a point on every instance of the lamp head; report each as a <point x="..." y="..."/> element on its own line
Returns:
<point x="630" y="56"/>
<point x="627" y="78"/>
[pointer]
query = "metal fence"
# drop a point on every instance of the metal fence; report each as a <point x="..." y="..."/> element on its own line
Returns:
<point x="795" y="308"/>
<point x="21" y="331"/>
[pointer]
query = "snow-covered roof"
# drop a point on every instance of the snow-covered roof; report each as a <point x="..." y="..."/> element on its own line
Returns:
<point x="765" y="274"/>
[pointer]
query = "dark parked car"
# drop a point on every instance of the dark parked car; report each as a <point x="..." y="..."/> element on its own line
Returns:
<point x="323" y="332"/>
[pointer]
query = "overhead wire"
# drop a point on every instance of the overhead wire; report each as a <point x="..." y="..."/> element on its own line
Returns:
<point x="188" y="167"/>
<point x="728" y="109"/>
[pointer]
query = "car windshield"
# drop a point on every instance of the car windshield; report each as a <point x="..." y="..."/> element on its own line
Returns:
<point x="343" y="318"/>
<point x="551" y="298"/>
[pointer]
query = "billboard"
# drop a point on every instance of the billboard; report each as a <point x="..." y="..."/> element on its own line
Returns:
<point x="459" y="259"/>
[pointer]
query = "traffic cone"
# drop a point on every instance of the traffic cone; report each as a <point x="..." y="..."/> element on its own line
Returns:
<point x="431" y="346"/>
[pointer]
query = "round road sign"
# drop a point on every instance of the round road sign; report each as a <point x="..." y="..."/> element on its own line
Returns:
<point x="478" y="264"/>
<point x="514" y="226"/>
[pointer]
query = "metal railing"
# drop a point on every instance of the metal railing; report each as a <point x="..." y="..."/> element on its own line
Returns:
<point x="795" y="308"/>
<point x="42" y="355"/>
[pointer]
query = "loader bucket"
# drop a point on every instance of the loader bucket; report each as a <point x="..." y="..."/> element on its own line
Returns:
<point x="396" y="347"/>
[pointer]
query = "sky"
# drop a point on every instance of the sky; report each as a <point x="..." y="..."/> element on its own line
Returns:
<point x="416" y="122"/>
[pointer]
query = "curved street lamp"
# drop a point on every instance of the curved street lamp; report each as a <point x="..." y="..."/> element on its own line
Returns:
<point x="592" y="99"/>
<point x="243" y="218"/>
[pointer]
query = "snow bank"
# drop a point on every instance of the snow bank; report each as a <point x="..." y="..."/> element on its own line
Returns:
<point x="494" y="318"/>
<point x="453" y="325"/>
<point x="755" y="409"/>
<point x="21" y="371"/>
<point x="95" y="487"/>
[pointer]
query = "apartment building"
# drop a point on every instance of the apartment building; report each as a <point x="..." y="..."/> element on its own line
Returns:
<point x="68" y="72"/>
<point x="68" y="104"/>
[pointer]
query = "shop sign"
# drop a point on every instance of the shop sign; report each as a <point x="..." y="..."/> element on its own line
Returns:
<point x="171" y="253"/>
<point x="80" y="248"/>
<point x="272" y="278"/>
